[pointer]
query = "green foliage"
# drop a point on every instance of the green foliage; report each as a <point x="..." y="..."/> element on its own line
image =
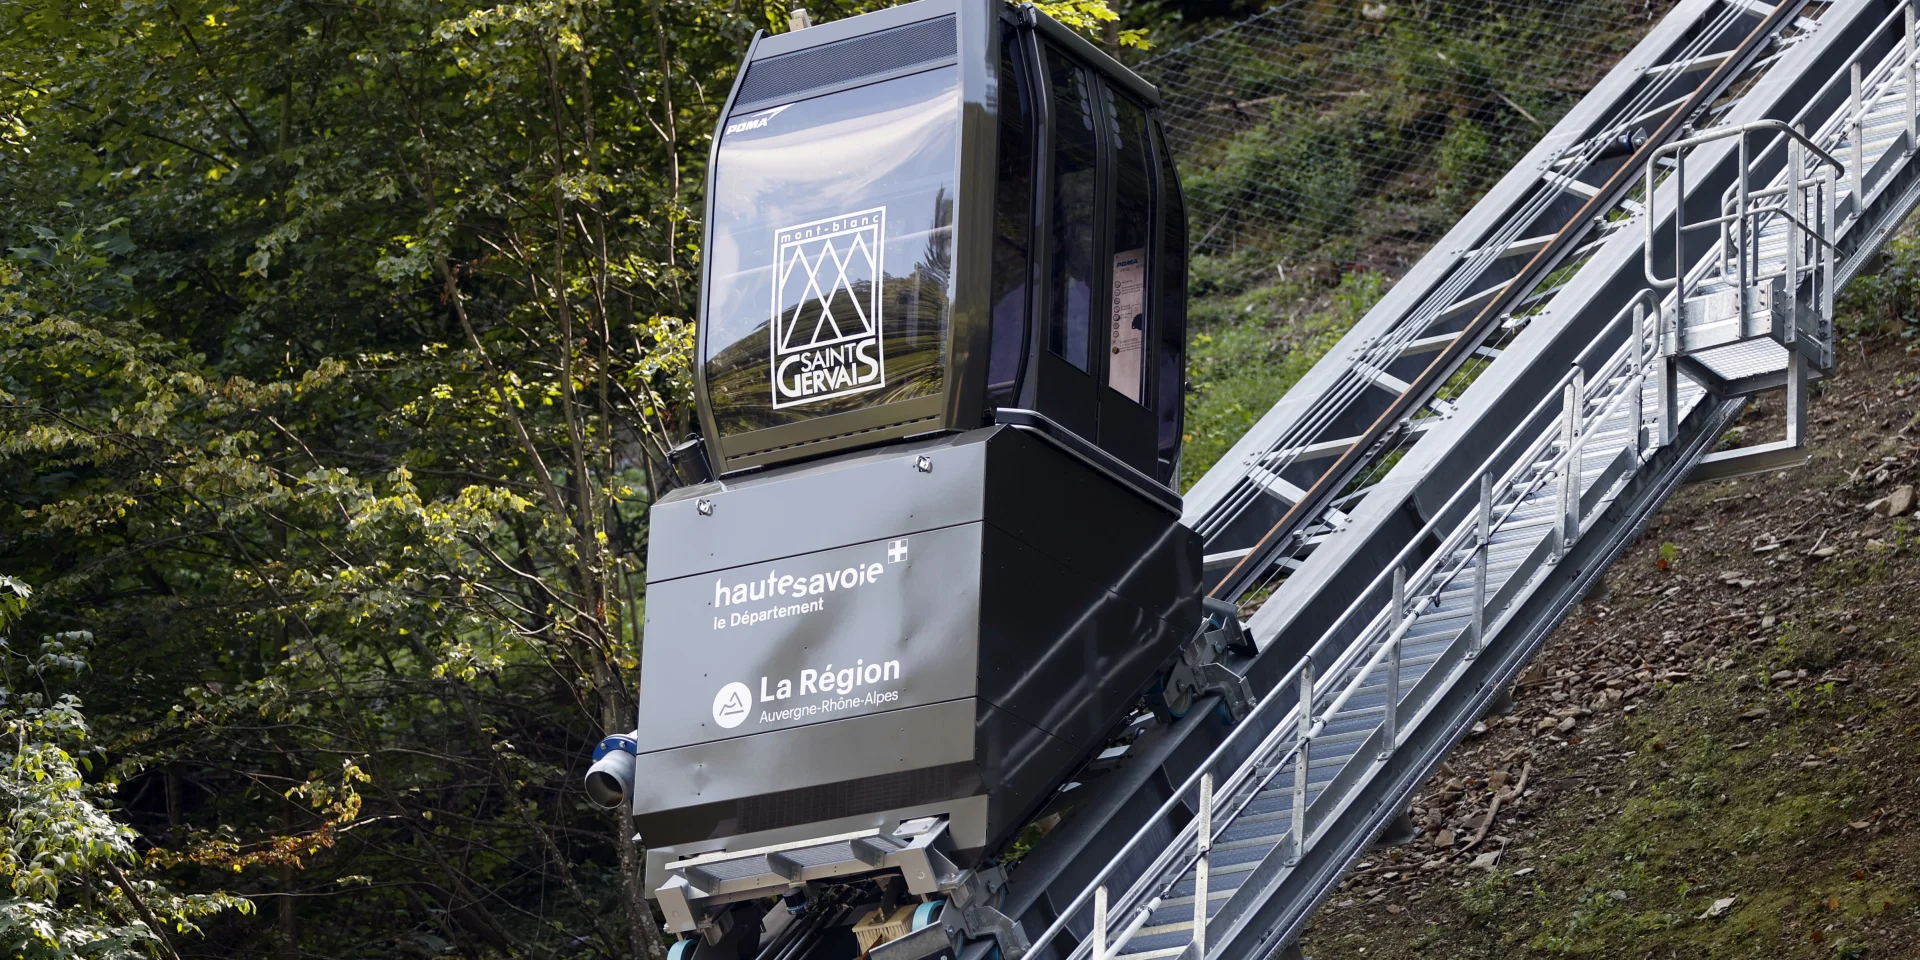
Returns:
<point x="1299" y="173"/>
<point x="62" y="855"/>
<point x="339" y="349"/>
<point x="1094" y="17"/>
<point x="1462" y="160"/>
<point x="1885" y="302"/>
<point x="338" y="346"/>
<point x="1355" y="135"/>
<point x="1377" y="121"/>
<point x="1248" y="347"/>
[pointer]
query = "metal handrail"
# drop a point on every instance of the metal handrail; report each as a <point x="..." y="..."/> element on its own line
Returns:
<point x="1620" y="377"/>
<point x="1680" y="182"/>
<point x="1870" y="90"/>
<point x="1542" y="472"/>
<point x="1601" y="387"/>
<point x="1633" y="382"/>
<point x="1738" y="259"/>
<point x="1903" y="6"/>
<point x="1611" y="386"/>
<point x="1288" y="681"/>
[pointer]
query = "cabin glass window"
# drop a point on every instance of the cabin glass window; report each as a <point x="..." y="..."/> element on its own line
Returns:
<point x="1170" y="291"/>
<point x="1075" y="156"/>
<point x="830" y="253"/>
<point x="1128" y="346"/>
<point x="1012" y="224"/>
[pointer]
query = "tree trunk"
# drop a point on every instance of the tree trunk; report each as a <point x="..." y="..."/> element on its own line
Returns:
<point x="649" y="943"/>
<point x="289" y="933"/>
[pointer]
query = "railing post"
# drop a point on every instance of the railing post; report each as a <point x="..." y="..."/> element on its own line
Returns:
<point x="1205" y="841"/>
<point x="1100" y="923"/>
<point x="1638" y="382"/>
<point x="1667" y="341"/>
<point x="1679" y="231"/>
<point x="1727" y="240"/>
<point x="1566" y="510"/>
<point x="1302" y="747"/>
<point x="1576" y="450"/>
<point x="1740" y="233"/>
<point x="1827" y="230"/>
<point x="1796" y="397"/>
<point x="1797" y="208"/>
<point x="1477" y="628"/>
<point x="1859" y="138"/>
<point x="1669" y="374"/>
<point x="1560" y="482"/>
<point x="1646" y="249"/>
<point x="1397" y="631"/>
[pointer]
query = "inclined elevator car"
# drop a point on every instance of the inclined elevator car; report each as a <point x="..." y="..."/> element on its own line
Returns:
<point x="928" y="559"/>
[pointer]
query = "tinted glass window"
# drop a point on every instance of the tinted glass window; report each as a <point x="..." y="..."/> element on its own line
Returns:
<point x="1012" y="224"/>
<point x="830" y="251"/>
<point x="1127" y="330"/>
<point x="1171" y="294"/>
<point x="1075" y="151"/>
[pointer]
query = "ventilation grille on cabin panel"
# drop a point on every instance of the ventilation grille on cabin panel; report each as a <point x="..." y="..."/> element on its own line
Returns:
<point x="928" y="41"/>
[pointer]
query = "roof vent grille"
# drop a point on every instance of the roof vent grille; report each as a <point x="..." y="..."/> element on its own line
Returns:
<point x="831" y="64"/>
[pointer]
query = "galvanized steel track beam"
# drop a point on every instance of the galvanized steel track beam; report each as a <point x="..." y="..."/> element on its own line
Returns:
<point x="1118" y="824"/>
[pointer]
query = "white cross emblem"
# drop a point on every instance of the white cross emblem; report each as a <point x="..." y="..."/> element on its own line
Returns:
<point x="896" y="551"/>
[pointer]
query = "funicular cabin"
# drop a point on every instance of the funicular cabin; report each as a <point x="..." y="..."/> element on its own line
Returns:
<point x="940" y="374"/>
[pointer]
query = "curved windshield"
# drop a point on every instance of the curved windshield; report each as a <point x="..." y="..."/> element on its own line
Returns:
<point x="830" y="251"/>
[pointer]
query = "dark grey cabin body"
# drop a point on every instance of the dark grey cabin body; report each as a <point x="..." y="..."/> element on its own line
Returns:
<point x="939" y="378"/>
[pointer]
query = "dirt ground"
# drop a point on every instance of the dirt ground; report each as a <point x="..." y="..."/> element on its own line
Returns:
<point x="1718" y="754"/>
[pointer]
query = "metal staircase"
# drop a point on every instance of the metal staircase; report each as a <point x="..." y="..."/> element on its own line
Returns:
<point x="1441" y="616"/>
<point x="1499" y="427"/>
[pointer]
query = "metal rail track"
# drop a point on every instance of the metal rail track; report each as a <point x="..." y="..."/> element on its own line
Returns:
<point x="1412" y="579"/>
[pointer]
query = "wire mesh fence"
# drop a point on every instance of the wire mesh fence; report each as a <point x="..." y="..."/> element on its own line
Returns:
<point x="1358" y="132"/>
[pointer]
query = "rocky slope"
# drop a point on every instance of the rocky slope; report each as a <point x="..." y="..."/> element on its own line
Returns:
<point x="1718" y="754"/>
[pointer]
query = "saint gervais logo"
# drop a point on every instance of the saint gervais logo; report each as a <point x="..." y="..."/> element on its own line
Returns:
<point x="732" y="704"/>
<point x="826" y="308"/>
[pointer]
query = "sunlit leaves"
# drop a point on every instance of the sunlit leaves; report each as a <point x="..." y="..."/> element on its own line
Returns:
<point x="63" y="858"/>
<point x="339" y="348"/>
<point x="1091" y="16"/>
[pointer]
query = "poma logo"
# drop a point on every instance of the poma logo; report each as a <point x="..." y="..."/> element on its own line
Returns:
<point x="755" y="121"/>
<point x="826" y="321"/>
